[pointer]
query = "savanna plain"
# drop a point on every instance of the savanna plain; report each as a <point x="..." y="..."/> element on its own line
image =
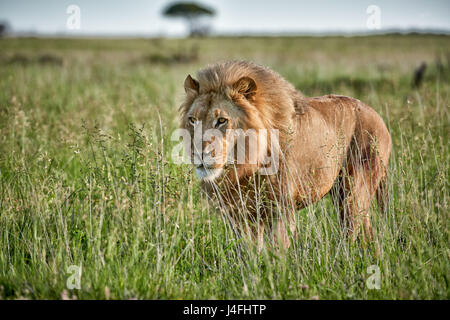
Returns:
<point x="87" y="178"/>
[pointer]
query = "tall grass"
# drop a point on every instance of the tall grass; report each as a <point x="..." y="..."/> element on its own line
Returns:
<point x="87" y="180"/>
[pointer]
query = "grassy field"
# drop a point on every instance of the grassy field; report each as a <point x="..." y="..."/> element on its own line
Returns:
<point x="87" y="180"/>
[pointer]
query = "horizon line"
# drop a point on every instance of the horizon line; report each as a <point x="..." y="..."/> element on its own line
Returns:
<point x="345" y="33"/>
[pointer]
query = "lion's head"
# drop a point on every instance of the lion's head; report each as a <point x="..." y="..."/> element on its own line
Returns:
<point x="227" y="114"/>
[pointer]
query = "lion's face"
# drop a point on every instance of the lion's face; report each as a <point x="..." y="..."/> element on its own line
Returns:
<point x="209" y="121"/>
<point x="214" y="122"/>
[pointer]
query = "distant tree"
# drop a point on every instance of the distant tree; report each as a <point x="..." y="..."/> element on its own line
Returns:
<point x="4" y="28"/>
<point x="192" y="13"/>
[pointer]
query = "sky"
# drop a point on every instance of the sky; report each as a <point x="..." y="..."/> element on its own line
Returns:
<point x="144" y="18"/>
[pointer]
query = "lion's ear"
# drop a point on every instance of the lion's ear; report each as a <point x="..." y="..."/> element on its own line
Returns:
<point x="246" y="86"/>
<point x="191" y="85"/>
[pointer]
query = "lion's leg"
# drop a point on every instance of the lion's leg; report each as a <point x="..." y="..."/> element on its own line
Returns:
<point x="259" y="235"/>
<point x="337" y="193"/>
<point x="251" y="231"/>
<point x="280" y="234"/>
<point x="359" y="187"/>
<point x="280" y="214"/>
<point x="357" y="207"/>
<point x="283" y="228"/>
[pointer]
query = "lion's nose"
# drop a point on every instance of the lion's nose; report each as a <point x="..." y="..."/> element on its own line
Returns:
<point x="208" y="158"/>
<point x="207" y="154"/>
<point x="208" y="151"/>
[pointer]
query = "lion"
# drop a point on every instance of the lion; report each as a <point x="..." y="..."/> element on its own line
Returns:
<point x="328" y="144"/>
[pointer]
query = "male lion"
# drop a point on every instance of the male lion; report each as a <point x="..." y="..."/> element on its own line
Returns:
<point x="321" y="142"/>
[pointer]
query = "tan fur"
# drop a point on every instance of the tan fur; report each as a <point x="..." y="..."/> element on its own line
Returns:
<point x="325" y="141"/>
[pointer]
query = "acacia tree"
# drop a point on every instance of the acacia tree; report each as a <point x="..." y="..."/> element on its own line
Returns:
<point x="192" y="13"/>
<point x="4" y="28"/>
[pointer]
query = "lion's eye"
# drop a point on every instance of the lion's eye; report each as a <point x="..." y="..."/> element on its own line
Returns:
<point x="221" y="121"/>
<point x="192" y="120"/>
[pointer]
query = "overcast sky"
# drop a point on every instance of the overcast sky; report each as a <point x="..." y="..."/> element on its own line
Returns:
<point x="143" y="17"/>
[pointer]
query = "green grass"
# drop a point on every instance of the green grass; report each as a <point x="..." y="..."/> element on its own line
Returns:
<point x="86" y="177"/>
